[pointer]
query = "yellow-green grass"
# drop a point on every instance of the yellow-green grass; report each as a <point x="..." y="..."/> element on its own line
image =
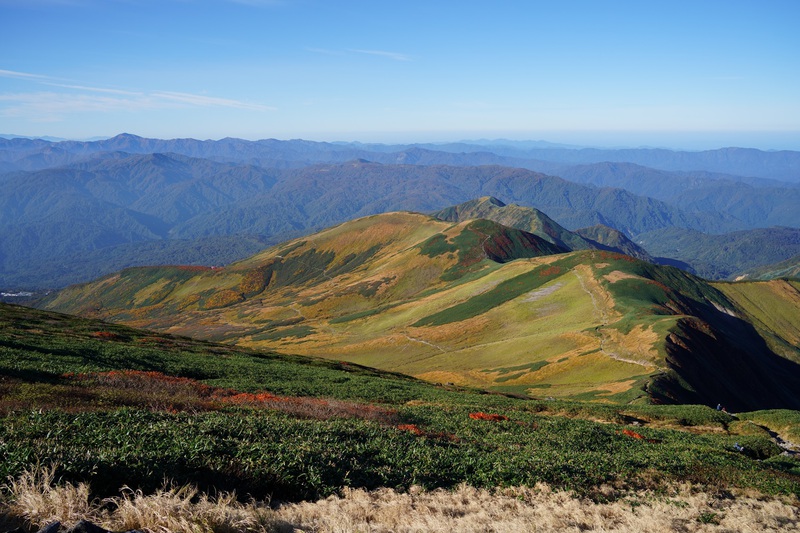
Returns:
<point x="393" y="231"/>
<point x="772" y="306"/>
<point x="553" y="325"/>
<point x="548" y="329"/>
<point x="382" y="291"/>
<point x="784" y="422"/>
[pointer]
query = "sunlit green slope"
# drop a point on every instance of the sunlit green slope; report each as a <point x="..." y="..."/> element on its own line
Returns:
<point x="471" y="303"/>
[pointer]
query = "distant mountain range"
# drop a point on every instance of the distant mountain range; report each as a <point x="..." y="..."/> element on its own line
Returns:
<point x="70" y="211"/>
<point x="779" y="165"/>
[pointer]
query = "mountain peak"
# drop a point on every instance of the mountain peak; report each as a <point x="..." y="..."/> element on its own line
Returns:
<point x="126" y="137"/>
<point x="492" y="201"/>
<point x="527" y="219"/>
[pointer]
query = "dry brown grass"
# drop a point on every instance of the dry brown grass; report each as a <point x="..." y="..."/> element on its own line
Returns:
<point x="617" y="275"/>
<point x="36" y="500"/>
<point x="538" y="509"/>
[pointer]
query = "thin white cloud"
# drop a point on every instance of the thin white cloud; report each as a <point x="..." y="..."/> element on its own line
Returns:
<point x="50" y="105"/>
<point x="93" y="89"/>
<point x="397" y="56"/>
<point x="205" y="101"/>
<point x="22" y="75"/>
<point x="391" y="55"/>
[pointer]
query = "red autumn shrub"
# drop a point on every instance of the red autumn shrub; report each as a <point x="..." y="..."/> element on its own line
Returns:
<point x="172" y="393"/>
<point x="106" y="335"/>
<point x="632" y="434"/>
<point x="486" y="416"/>
<point x="550" y="271"/>
<point x="194" y="268"/>
<point x="411" y="428"/>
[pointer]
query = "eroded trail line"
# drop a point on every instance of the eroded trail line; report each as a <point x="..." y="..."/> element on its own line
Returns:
<point x="412" y="339"/>
<point x="603" y="312"/>
<point x="294" y="307"/>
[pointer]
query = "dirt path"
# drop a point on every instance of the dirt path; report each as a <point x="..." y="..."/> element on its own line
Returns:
<point x="412" y="339"/>
<point x="603" y="305"/>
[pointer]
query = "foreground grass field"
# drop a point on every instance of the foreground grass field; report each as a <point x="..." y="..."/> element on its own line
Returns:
<point x="109" y="406"/>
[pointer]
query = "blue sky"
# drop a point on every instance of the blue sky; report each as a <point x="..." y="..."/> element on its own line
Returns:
<point x="700" y="73"/>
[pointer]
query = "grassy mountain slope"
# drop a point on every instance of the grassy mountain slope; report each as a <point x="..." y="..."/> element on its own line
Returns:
<point x="473" y="303"/>
<point x="111" y="406"/>
<point x="789" y="268"/>
<point x="771" y="306"/>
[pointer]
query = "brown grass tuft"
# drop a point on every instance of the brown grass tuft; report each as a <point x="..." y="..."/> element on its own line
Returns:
<point x="184" y="509"/>
<point x="34" y="498"/>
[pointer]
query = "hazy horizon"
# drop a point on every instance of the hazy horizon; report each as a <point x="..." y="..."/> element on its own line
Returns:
<point x="677" y="141"/>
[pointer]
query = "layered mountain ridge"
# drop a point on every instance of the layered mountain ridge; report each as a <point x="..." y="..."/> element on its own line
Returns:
<point x="102" y="205"/>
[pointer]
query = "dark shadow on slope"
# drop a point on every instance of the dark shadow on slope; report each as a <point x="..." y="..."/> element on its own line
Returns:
<point x="721" y="359"/>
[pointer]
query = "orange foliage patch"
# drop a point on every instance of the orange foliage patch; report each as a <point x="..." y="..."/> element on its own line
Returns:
<point x="195" y="268"/>
<point x="223" y="298"/>
<point x="632" y="434"/>
<point x="604" y="254"/>
<point x="550" y="271"/>
<point x="416" y="430"/>
<point x="658" y="284"/>
<point x="411" y="428"/>
<point x="487" y="416"/>
<point x="106" y="335"/>
<point x="173" y="393"/>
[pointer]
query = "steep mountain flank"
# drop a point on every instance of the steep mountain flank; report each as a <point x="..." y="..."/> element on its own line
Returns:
<point x="472" y="303"/>
<point x="524" y="218"/>
<point x="606" y="238"/>
<point x="530" y="219"/>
